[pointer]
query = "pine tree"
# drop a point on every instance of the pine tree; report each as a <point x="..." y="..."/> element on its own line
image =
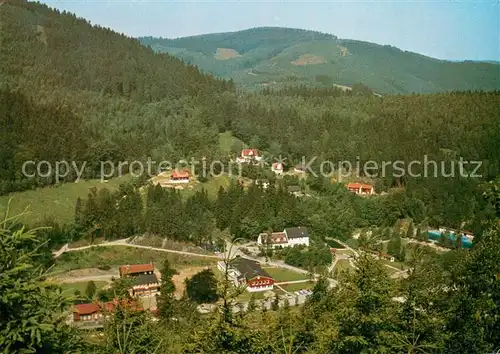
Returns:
<point x="90" y="290"/>
<point x="165" y="301"/>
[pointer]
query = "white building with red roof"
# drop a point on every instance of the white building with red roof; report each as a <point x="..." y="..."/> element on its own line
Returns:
<point x="249" y="155"/>
<point x="361" y="188"/>
<point x="277" y="168"/>
<point x="179" y="177"/>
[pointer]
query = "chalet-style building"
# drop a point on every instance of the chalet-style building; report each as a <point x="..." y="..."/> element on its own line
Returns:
<point x="361" y="189"/>
<point x="291" y="236"/>
<point x="249" y="155"/>
<point x="179" y="177"/>
<point x="246" y="272"/>
<point x="277" y="168"/>
<point x="144" y="280"/>
<point x="94" y="314"/>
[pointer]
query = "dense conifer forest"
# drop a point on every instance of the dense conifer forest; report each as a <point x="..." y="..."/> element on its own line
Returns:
<point x="76" y="92"/>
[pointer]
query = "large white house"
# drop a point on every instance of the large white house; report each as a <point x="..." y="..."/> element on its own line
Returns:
<point x="289" y="237"/>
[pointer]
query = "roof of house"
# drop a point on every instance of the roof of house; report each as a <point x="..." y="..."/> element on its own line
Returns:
<point x="277" y="166"/>
<point x="248" y="269"/>
<point x="86" y="309"/>
<point x="144" y="279"/>
<point x="274" y="238"/>
<point x="136" y="268"/>
<point x="180" y="174"/>
<point x="249" y="152"/>
<point x="297" y="232"/>
<point x="90" y="308"/>
<point x="359" y="185"/>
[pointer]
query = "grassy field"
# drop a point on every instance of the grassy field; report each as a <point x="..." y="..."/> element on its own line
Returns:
<point x="212" y="186"/>
<point x="281" y="274"/>
<point x="70" y="288"/>
<point x="227" y="141"/>
<point x="246" y="295"/>
<point x="57" y="203"/>
<point x="119" y="255"/>
<point x="299" y="286"/>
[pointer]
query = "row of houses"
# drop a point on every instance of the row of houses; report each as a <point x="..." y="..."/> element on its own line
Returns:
<point x="143" y="284"/>
<point x="248" y="273"/>
<point x="253" y="156"/>
<point x="289" y="237"/>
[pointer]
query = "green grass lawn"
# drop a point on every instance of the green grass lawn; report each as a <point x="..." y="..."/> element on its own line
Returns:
<point x="246" y="295"/>
<point x="299" y="286"/>
<point x="57" y="203"/>
<point x="119" y="255"/>
<point x="70" y="288"/>
<point x="281" y="274"/>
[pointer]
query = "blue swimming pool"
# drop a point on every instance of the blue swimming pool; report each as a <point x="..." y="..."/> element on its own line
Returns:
<point x="436" y="235"/>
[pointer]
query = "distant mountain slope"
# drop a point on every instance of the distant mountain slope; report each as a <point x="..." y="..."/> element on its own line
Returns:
<point x="273" y="57"/>
<point x="45" y="48"/>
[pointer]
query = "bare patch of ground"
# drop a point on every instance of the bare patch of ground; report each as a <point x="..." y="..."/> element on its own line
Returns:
<point x="226" y="53"/>
<point x="178" y="279"/>
<point x="42" y="35"/>
<point x="308" y="59"/>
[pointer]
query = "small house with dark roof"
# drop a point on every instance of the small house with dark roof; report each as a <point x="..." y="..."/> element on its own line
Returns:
<point x="145" y="285"/>
<point x="246" y="272"/>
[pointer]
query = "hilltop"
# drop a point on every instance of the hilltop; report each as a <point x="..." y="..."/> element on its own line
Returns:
<point x="274" y="57"/>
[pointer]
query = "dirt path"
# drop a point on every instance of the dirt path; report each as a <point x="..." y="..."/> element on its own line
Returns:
<point x="123" y="242"/>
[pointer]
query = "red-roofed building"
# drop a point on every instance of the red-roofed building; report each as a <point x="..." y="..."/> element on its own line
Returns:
<point x="277" y="168"/>
<point x="179" y="177"/>
<point x="136" y="269"/>
<point x="94" y="314"/>
<point x="249" y="155"/>
<point x="360" y="188"/>
<point x="144" y="280"/>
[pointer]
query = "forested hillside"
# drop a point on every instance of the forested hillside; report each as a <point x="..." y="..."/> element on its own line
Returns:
<point x="72" y="91"/>
<point x="274" y="57"/>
